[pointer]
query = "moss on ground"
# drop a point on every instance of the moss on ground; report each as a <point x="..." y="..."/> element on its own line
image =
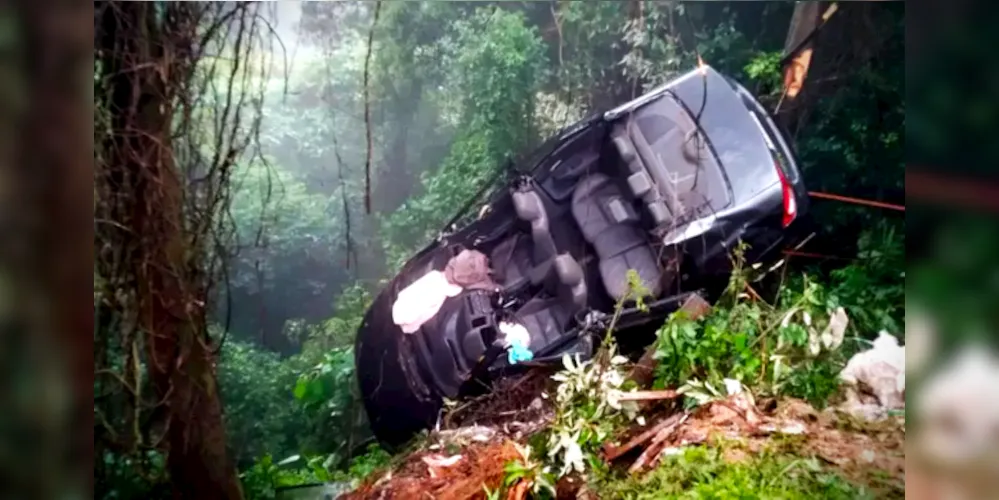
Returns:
<point x="733" y="472"/>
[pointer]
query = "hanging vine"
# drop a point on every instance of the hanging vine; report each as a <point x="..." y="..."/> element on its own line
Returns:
<point x="177" y="110"/>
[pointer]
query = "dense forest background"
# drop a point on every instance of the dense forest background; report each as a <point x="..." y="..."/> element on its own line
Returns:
<point x="293" y="155"/>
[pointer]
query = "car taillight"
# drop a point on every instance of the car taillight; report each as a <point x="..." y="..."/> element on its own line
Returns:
<point x="790" y="203"/>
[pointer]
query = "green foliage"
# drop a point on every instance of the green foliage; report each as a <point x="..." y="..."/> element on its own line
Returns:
<point x="767" y="349"/>
<point x="765" y="70"/>
<point x="497" y="62"/>
<point x="780" y="349"/>
<point x="530" y="471"/>
<point x="873" y="289"/>
<point x="329" y="390"/>
<point x="587" y="410"/>
<point x="287" y="406"/>
<point x="261" y="415"/>
<point x="125" y="478"/>
<point x="289" y="260"/>
<point x="374" y="459"/>
<point x="323" y="384"/>
<point x="700" y="473"/>
<point x="280" y="222"/>
<point x="264" y="478"/>
<point x="338" y="331"/>
<point x="591" y="42"/>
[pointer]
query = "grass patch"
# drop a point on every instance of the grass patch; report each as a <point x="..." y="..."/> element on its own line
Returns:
<point x="733" y="472"/>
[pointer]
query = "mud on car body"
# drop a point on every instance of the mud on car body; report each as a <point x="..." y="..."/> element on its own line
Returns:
<point x="665" y="185"/>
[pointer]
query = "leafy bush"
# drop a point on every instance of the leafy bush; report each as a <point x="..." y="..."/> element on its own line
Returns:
<point x="339" y="331"/>
<point x="760" y="346"/>
<point x="362" y="466"/>
<point x="264" y="478"/>
<point x="260" y="411"/>
<point x="328" y="391"/>
<point x="530" y="471"/>
<point x="873" y="289"/>
<point x="328" y="384"/>
<point x="781" y="349"/>
<point x="587" y="410"/>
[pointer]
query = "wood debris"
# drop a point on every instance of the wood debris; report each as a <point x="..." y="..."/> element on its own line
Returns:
<point x="648" y="395"/>
<point x="656" y="445"/>
<point x="612" y="452"/>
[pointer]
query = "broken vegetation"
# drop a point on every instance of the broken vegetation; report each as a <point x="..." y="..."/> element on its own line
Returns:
<point x="745" y="400"/>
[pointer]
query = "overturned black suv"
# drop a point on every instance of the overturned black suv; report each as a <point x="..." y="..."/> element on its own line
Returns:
<point x="665" y="185"/>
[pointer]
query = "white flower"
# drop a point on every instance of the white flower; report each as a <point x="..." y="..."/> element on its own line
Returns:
<point x="613" y="378"/>
<point x="567" y="362"/>
<point x="614" y="399"/>
<point x="573" y="458"/>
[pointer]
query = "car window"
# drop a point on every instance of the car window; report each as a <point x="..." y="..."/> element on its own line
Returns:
<point x="696" y="179"/>
<point x="655" y="126"/>
<point x="734" y="137"/>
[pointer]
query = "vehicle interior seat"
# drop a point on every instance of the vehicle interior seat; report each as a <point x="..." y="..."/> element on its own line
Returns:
<point x="610" y="224"/>
<point x="692" y="179"/>
<point x="529" y="207"/>
<point x="640" y="182"/>
<point x="534" y="262"/>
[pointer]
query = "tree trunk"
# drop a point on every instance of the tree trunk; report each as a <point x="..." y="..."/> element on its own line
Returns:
<point x="146" y="66"/>
<point x="845" y="36"/>
<point x="798" y="49"/>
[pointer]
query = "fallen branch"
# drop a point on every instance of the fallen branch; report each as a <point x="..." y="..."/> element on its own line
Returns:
<point x="613" y="452"/>
<point x="649" y="395"/>
<point x="656" y="445"/>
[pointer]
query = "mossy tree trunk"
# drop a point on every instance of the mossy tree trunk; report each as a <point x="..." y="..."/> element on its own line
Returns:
<point x="146" y="53"/>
